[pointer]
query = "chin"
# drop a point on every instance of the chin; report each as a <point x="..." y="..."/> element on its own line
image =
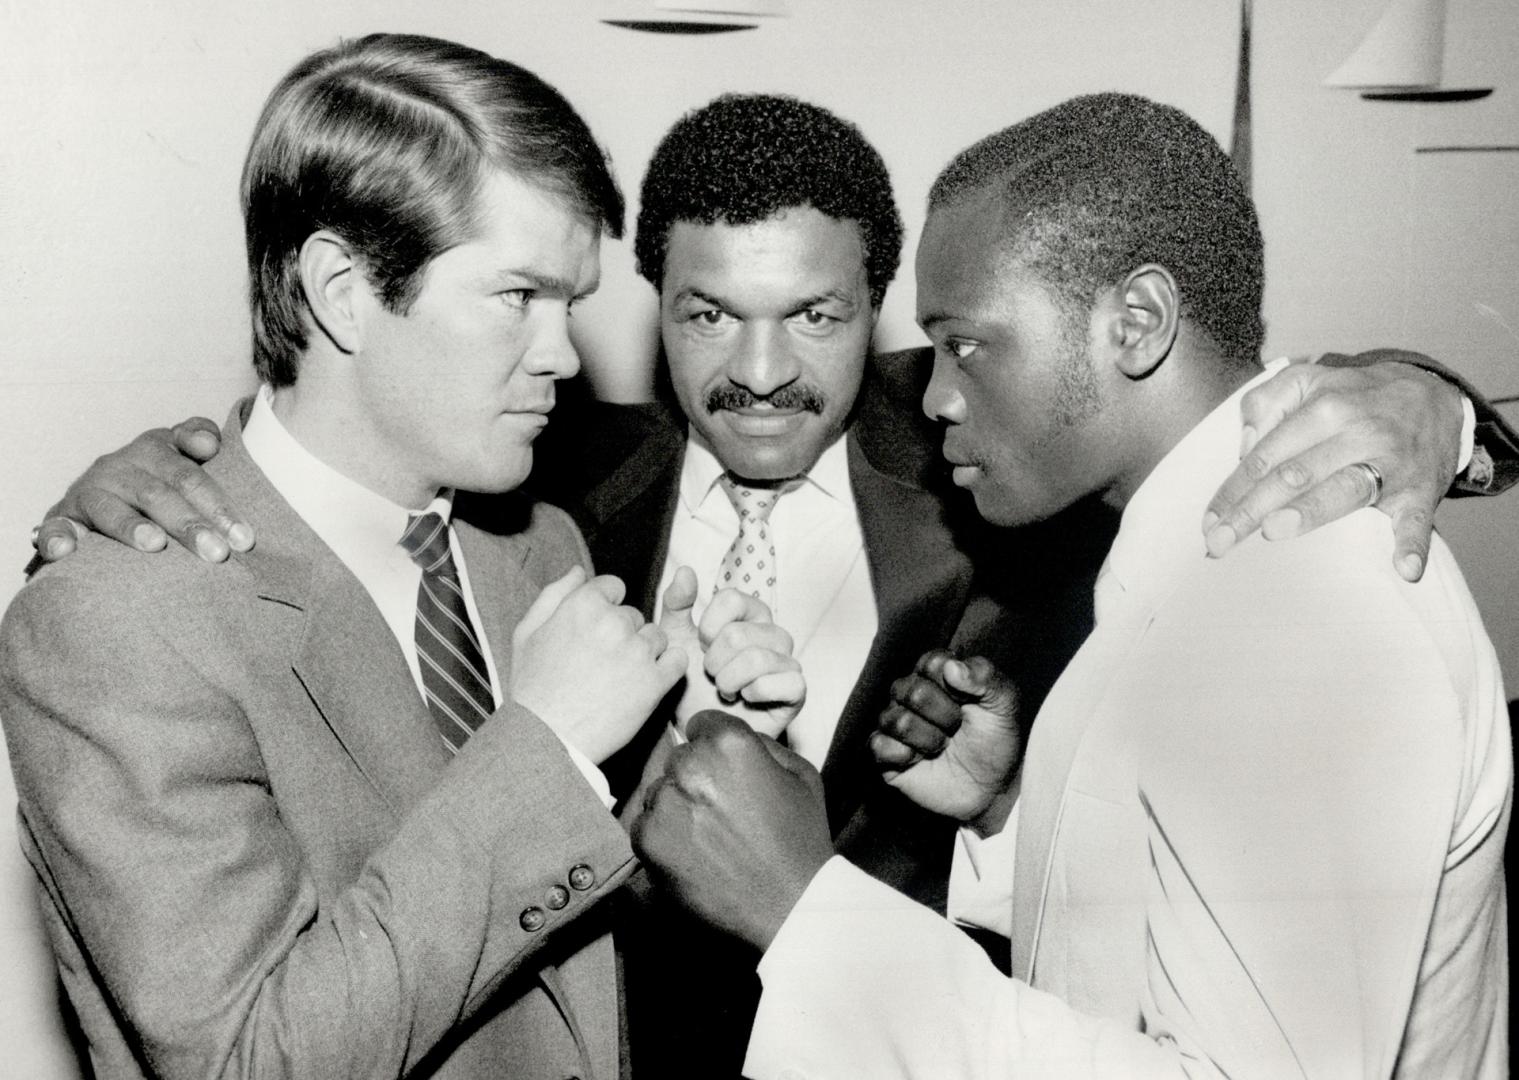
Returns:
<point x="996" y="508"/>
<point x="496" y="477"/>
<point x="767" y="467"/>
<point x="769" y="462"/>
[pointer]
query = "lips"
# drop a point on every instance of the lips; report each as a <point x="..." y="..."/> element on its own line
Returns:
<point x="965" y="471"/>
<point x="760" y="420"/>
<point x="955" y="455"/>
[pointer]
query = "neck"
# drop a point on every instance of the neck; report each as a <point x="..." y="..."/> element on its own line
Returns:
<point x="1167" y="405"/>
<point x="320" y="412"/>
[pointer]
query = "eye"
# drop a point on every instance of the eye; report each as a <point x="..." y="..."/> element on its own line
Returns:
<point x="711" y="317"/>
<point x="959" y="348"/>
<point x="517" y="298"/>
<point x="814" y="317"/>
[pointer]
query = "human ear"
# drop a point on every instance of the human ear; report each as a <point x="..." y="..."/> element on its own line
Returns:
<point x="329" y="277"/>
<point x="1145" y="328"/>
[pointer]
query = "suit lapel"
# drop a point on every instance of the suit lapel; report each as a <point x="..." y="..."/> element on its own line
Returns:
<point x="501" y="590"/>
<point x="1055" y="743"/>
<point x="626" y="516"/>
<point x="356" y="676"/>
<point x="341" y="650"/>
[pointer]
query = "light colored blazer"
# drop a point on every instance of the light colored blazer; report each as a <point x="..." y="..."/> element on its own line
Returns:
<point x="1260" y="834"/>
<point x="256" y="857"/>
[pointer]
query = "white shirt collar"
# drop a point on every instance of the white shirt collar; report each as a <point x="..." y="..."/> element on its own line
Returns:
<point x="700" y="471"/>
<point x="362" y="527"/>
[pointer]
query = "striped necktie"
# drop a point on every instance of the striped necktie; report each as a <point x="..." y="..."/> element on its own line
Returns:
<point x="454" y="676"/>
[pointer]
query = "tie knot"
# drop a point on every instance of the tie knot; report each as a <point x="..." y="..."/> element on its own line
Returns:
<point x="426" y="541"/>
<point x="752" y="503"/>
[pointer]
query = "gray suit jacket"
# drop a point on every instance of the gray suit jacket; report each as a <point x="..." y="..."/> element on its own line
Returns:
<point x="256" y="857"/>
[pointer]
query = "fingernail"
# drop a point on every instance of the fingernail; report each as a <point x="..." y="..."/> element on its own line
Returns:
<point x="1248" y="439"/>
<point x="1210" y="519"/>
<point x="210" y="547"/>
<point x="146" y="538"/>
<point x="1411" y="566"/>
<point x="240" y="537"/>
<point x="1219" y="540"/>
<point x="53" y="549"/>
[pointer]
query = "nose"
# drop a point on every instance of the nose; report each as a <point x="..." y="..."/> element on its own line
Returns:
<point x="551" y="351"/>
<point x="942" y="399"/>
<point x="763" y="360"/>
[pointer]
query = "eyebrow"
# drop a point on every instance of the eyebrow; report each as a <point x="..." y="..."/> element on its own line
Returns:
<point x="544" y="283"/>
<point x="824" y="297"/>
<point x="796" y="305"/>
<point x="697" y="294"/>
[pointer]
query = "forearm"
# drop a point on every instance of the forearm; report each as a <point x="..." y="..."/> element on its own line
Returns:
<point x="861" y="981"/>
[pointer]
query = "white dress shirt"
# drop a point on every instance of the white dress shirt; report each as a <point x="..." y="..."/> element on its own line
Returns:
<point x="824" y="598"/>
<point x="364" y="531"/>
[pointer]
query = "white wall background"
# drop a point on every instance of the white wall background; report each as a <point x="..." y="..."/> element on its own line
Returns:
<point x="123" y="123"/>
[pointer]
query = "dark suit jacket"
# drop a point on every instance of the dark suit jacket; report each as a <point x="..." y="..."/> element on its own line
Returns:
<point x="616" y="469"/>
<point x="255" y="855"/>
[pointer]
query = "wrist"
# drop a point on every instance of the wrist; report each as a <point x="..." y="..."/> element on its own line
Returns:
<point x="991" y="820"/>
<point x="773" y="911"/>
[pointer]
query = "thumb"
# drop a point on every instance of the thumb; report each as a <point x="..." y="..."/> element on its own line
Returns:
<point x="796" y="765"/>
<point x="1413" y="523"/>
<point x="548" y="602"/>
<point x="680" y="596"/>
<point x="978" y="680"/>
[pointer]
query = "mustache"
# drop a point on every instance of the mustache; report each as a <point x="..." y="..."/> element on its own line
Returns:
<point x="791" y="396"/>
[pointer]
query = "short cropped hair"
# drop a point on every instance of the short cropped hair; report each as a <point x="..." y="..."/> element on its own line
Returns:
<point x="743" y="158"/>
<point x="1100" y="185"/>
<point x="386" y="141"/>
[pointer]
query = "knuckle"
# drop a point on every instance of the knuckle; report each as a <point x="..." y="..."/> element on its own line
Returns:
<point x="921" y="696"/>
<point x="1255" y="465"/>
<point x="1416" y="519"/>
<point x="1372" y="436"/>
<point x="1295" y="475"/>
<point x="152" y="441"/>
<point x="1336" y="410"/>
<point x="102" y="510"/>
<point x="1251" y="402"/>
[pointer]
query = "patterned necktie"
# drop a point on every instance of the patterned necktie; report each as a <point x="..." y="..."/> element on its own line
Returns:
<point x="749" y="565"/>
<point x="454" y="676"/>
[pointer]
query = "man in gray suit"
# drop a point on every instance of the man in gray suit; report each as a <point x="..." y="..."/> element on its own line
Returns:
<point x="335" y="810"/>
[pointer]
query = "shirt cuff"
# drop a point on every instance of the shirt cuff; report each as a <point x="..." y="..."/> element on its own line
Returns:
<point x="1468" y="434"/>
<point x="588" y="769"/>
<point x="838" y="891"/>
<point x="981" y="878"/>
